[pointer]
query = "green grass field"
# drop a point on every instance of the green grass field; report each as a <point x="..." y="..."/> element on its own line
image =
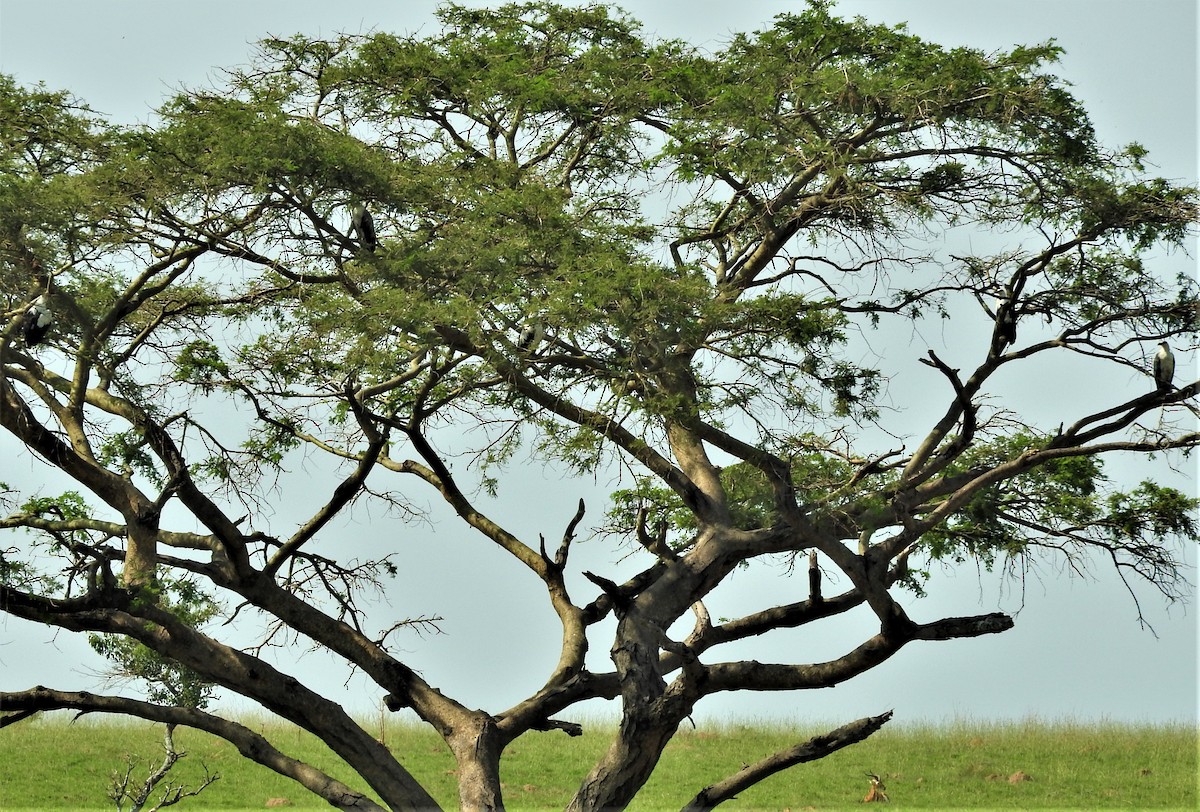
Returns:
<point x="48" y="763"/>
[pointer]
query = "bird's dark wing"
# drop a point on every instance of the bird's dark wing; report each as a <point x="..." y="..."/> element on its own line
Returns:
<point x="366" y="229"/>
<point x="35" y="324"/>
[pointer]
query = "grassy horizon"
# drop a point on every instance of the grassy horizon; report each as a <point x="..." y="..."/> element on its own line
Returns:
<point x="49" y="763"/>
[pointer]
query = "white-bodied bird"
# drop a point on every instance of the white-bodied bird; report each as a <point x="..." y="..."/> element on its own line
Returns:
<point x="36" y="322"/>
<point x="531" y="337"/>
<point x="363" y="225"/>
<point x="1164" y="366"/>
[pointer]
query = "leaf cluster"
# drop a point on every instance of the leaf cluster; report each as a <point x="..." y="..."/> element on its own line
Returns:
<point x="1066" y="501"/>
<point x="166" y="681"/>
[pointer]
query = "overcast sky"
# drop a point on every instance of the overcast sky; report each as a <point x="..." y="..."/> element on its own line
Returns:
<point x="1077" y="650"/>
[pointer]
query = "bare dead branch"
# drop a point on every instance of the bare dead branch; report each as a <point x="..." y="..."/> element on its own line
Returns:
<point x="570" y="728"/>
<point x="752" y="675"/>
<point x="560" y="556"/>
<point x="815" y="748"/>
<point x="120" y="790"/>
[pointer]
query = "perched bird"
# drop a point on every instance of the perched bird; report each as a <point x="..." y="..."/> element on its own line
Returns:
<point x="1007" y="323"/>
<point x="531" y="337"/>
<point x="1164" y="366"/>
<point x="363" y="225"/>
<point x="36" y="322"/>
<point x="1005" y="333"/>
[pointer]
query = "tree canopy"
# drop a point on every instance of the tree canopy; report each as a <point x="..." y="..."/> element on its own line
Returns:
<point x="692" y="243"/>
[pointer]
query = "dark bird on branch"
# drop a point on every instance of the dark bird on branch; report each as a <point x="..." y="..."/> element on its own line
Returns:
<point x="1164" y="366"/>
<point x="1007" y="322"/>
<point x="362" y="224"/>
<point x="1005" y="333"/>
<point x="36" y="322"/>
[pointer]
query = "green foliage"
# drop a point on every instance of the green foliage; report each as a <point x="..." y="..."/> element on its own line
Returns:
<point x="504" y="159"/>
<point x="1151" y="514"/>
<point x="166" y="682"/>
<point x="126" y="451"/>
<point x="69" y="505"/>
<point x="991" y="524"/>
<point x="199" y="362"/>
<point x="22" y="575"/>
<point x="1064" y="501"/>
<point x="791" y="91"/>
<point x="217" y="142"/>
<point x="50" y="141"/>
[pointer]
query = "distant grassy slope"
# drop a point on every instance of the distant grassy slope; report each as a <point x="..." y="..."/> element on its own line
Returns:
<point x="49" y="764"/>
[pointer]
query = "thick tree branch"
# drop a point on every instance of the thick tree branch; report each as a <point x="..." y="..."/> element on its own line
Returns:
<point x="19" y="704"/>
<point x="755" y="676"/>
<point x="139" y="511"/>
<point x="118" y="612"/>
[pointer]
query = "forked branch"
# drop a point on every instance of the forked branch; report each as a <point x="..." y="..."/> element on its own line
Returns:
<point x="124" y="789"/>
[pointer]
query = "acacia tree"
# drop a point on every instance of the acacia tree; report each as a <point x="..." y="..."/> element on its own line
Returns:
<point x="691" y="241"/>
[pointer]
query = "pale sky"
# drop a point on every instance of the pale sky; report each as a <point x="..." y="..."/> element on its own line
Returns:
<point x="1076" y="650"/>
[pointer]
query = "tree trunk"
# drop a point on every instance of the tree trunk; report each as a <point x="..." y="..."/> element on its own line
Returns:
<point x="651" y="715"/>
<point x="627" y="765"/>
<point x="477" y="745"/>
<point x="140" y="555"/>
